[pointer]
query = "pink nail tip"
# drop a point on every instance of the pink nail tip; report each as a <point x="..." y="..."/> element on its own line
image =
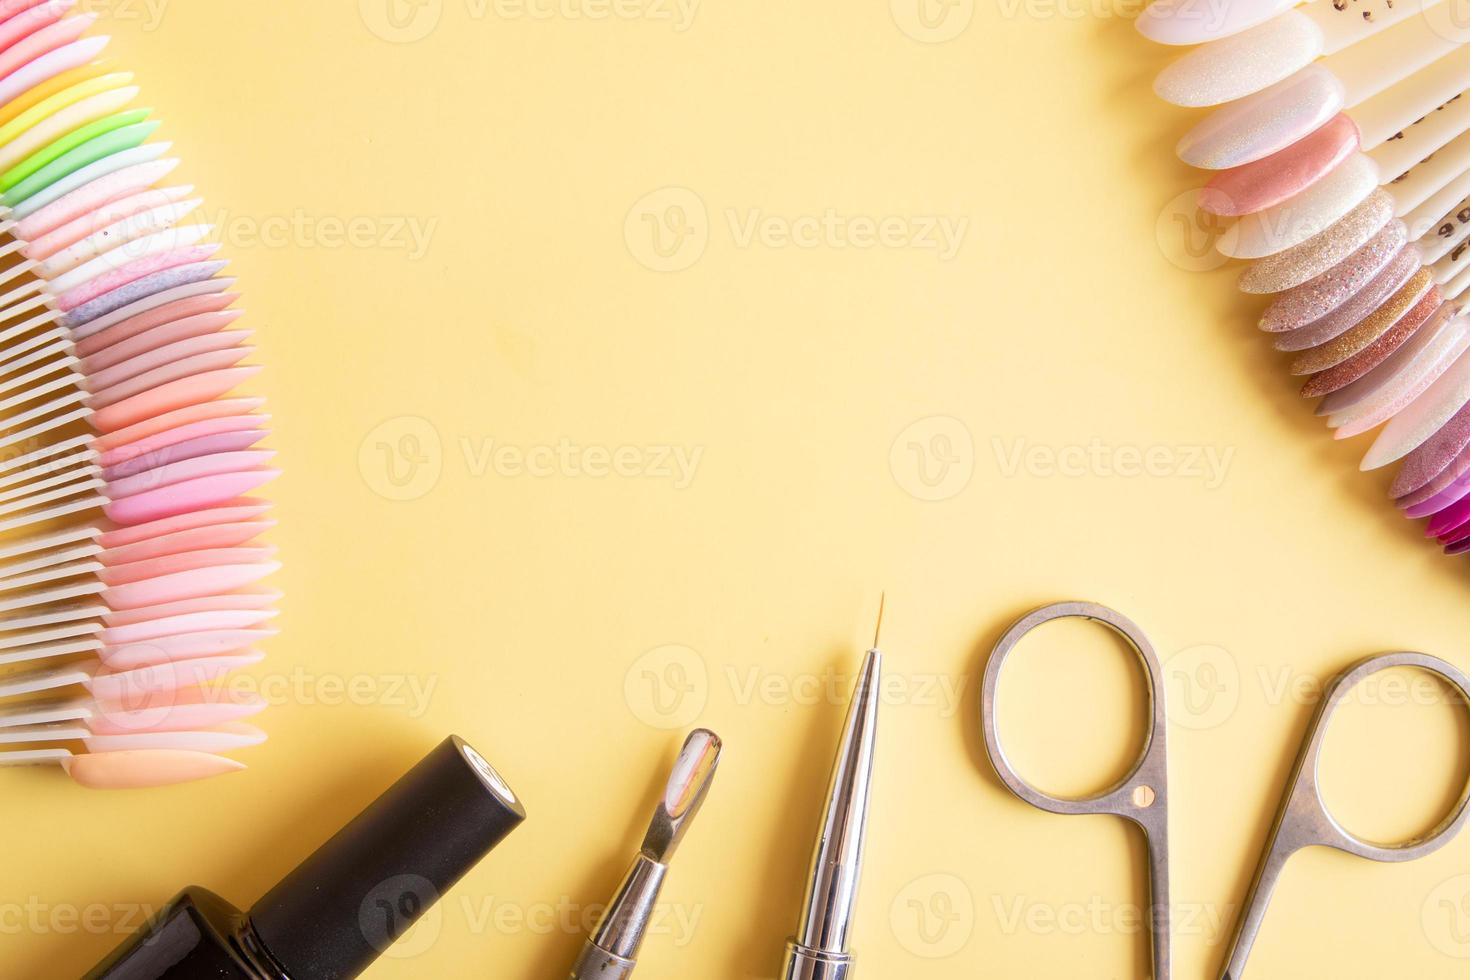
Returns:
<point x="1437" y="452"/>
<point x="227" y="435"/>
<point x="187" y="585"/>
<point x="118" y="685"/>
<point x="1269" y="181"/>
<point x="189" y="495"/>
<point x="175" y="711"/>
<point x="132" y="272"/>
<point x="1456" y="490"/>
<point x="204" y="621"/>
<point x="171" y="397"/>
<point x="1451" y="524"/>
<point x="225" y="738"/>
<point x="230" y="512"/>
<point x="186" y="561"/>
<point x="1443" y="489"/>
<point x="209" y="537"/>
<point x="229" y="600"/>
<point x="184" y="646"/>
<point x="132" y="331"/>
<point x="169" y="473"/>
<point x="156" y="425"/>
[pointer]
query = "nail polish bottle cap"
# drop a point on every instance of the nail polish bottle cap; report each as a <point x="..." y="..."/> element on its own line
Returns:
<point x="347" y="903"/>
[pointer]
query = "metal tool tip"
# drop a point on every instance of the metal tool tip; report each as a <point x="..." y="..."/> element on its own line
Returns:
<point x="878" y="630"/>
<point x="692" y="773"/>
<point x="689" y="783"/>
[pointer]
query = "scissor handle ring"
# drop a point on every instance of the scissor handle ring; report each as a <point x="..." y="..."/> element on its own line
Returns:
<point x="1308" y="816"/>
<point x="1139" y="795"/>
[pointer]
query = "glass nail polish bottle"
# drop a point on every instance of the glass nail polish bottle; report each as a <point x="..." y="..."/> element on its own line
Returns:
<point x="347" y="903"/>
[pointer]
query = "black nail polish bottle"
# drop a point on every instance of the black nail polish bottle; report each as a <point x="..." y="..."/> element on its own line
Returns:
<point x="347" y="903"/>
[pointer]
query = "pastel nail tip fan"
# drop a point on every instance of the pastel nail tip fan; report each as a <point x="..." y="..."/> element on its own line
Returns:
<point x="129" y="562"/>
<point x="1338" y="137"/>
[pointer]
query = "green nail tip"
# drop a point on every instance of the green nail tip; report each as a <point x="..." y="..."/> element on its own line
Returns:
<point x="67" y="143"/>
<point x="84" y="155"/>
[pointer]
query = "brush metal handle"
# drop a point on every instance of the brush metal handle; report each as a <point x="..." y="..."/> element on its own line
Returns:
<point x="596" y="963"/>
<point x="805" y="963"/>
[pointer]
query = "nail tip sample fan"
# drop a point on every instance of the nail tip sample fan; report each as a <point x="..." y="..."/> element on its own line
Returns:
<point x="1338" y="137"/>
<point x="128" y="562"/>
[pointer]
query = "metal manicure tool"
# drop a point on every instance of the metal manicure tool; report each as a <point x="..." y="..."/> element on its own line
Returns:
<point x="1142" y="795"/>
<point x="1303" y="819"/>
<point x="820" y="950"/>
<point x="612" y="950"/>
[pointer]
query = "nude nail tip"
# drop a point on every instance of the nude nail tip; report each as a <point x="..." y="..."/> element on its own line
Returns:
<point x="142" y="769"/>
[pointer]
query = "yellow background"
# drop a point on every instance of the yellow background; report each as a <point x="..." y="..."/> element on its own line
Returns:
<point x="821" y="385"/>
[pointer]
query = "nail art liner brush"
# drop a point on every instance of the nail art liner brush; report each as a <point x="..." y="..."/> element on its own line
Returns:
<point x="612" y="951"/>
<point x="820" y="949"/>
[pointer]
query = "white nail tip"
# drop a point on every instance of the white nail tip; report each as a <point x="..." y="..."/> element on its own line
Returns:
<point x="1234" y="67"/>
<point x="1201" y="21"/>
<point x="1422" y="418"/>
<point x="1304" y="216"/>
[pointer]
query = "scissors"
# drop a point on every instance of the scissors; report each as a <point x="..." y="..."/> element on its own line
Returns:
<point x="1142" y="795"/>
<point x="1303" y="819"/>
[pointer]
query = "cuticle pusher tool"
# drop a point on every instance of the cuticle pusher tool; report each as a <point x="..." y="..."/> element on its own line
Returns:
<point x="611" y="952"/>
